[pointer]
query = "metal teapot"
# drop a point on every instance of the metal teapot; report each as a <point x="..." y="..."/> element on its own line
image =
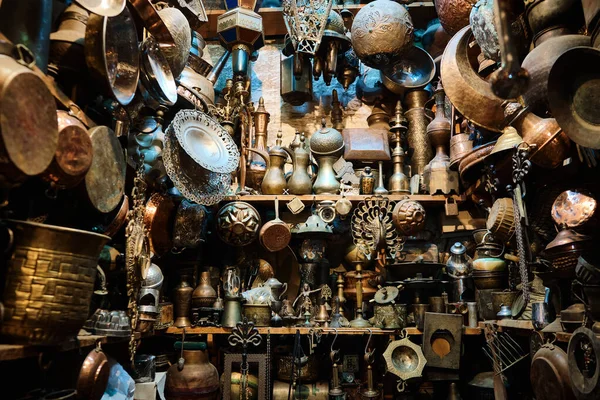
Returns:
<point x="274" y="181"/>
<point x="278" y="289"/>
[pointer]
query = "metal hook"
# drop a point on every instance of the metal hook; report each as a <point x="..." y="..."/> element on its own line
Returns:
<point x="334" y="339"/>
<point x="369" y="340"/>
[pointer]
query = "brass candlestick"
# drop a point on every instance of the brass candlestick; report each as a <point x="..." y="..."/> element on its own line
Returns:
<point x="370" y="392"/>
<point x="340" y="295"/>
<point x="359" y="321"/>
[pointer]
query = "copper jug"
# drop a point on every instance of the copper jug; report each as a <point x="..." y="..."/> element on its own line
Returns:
<point x="300" y="182"/>
<point x="274" y="180"/>
<point x="552" y="144"/>
<point x="193" y="376"/>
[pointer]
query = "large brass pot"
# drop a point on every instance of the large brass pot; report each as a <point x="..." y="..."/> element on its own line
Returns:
<point x="198" y="379"/>
<point x="469" y="93"/>
<point x="539" y="63"/>
<point x="454" y="14"/>
<point x="50" y="278"/>
<point x="381" y="31"/>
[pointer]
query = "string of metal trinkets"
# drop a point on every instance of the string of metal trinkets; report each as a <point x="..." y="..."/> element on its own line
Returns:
<point x="137" y="257"/>
<point x="521" y="166"/>
<point x="268" y="364"/>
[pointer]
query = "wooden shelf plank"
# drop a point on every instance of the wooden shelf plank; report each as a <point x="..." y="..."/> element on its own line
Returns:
<point x="17" y="351"/>
<point x="510" y="323"/>
<point x="411" y="331"/>
<point x="273" y="24"/>
<point x="425" y="199"/>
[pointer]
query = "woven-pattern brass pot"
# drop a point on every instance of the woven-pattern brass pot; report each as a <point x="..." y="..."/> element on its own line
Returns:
<point x="49" y="281"/>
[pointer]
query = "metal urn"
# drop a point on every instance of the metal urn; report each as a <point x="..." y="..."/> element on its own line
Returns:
<point x="327" y="145"/>
<point x="381" y="31"/>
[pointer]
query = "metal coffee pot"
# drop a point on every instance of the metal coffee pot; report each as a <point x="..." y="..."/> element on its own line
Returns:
<point x="278" y="289"/>
<point x="274" y="180"/>
<point x="460" y="264"/>
<point x="300" y="182"/>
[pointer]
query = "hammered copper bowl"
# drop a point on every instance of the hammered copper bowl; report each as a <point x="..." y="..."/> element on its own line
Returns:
<point x="469" y="93"/>
<point x="454" y="14"/>
<point x="112" y="55"/>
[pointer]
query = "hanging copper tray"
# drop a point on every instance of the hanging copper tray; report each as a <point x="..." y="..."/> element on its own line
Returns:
<point x="156" y="78"/>
<point x="104" y="8"/>
<point x="205" y="141"/>
<point x="471" y="160"/>
<point x="153" y="22"/>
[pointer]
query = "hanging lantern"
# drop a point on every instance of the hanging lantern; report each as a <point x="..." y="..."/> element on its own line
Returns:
<point x="240" y="30"/>
<point x="305" y="21"/>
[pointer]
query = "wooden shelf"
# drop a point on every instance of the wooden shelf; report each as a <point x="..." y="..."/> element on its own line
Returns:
<point x="18" y="351"/>
<point x="425" y="199"/>
<point x="273" y="24"/>
<point x="510" y="323"/>
<point x="411" y="331"/>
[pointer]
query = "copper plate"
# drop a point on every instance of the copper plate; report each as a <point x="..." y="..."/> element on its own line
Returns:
<point x="105" y="181"/>
<point x="73" y="156"/>
<point x="28" y="124"/>
<point x="158" y="219"/>
<point x="573" y="208"/>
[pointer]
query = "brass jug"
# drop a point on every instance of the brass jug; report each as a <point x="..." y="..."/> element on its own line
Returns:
<point x="300" y="182"/>
<point x="258" y="163"/>
<point x="194" y="377"/>
<point x="274" y="180"/>
<point x="183" y="303"/>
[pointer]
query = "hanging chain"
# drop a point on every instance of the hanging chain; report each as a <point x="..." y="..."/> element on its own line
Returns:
<point x="269" y="364"/>
<point x="136" y="253"/>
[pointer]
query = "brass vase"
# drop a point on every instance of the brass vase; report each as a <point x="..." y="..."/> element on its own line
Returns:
<point x="197" y="378"/>
<point x="204" y="295"/>
<point x="183" y="302"/>
<point x="418" y="140"/>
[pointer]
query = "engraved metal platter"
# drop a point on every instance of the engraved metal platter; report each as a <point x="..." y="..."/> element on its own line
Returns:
<point x="193" y="182"/>
<point x="205" y="141"/>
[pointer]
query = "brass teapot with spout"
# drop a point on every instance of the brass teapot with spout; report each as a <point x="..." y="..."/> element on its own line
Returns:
<point x="274" y="180"/>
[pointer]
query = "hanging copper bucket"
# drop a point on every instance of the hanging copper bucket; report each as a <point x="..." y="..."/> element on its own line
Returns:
<point x="50" y="276"/>
<point x="469" y="93"/>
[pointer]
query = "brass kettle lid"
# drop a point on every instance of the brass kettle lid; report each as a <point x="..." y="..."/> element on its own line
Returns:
<point x="278" y="150"/>
<point x="507" y="141"/>
<point x="326" y="141"/>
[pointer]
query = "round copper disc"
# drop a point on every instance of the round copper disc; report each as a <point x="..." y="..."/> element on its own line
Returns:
<point x="158" y="218"/>
<point x="73" y="156"/>
<point x="573" y="208"/>
<point x="27" y="118"/>
<point x="105" y="181"/>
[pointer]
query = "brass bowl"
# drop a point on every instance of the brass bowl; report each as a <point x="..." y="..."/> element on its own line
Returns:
<point x="415" y="70"/>
<point x="404" y="359"/>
